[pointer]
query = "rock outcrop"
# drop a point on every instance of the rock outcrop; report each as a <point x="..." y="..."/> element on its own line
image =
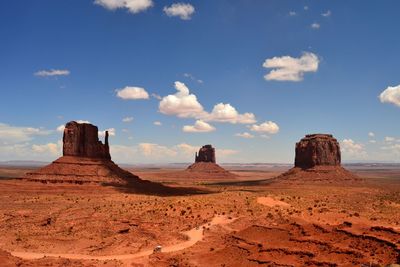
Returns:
<point x="85" y="160"/>
<point x="206" y="154"/>
<point x="81" y="140"/>
<point x="318" y="159"/>
<point x="205" y="166"/>
<point x="317" y="150"/>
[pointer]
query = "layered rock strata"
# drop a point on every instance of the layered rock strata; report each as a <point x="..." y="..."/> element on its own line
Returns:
<point x="205" y="165"/>
<point x="318" y="159"/>
<point x="85" y="160"/>
<point x="317" y="150"/>
<point x="81" y="140"/>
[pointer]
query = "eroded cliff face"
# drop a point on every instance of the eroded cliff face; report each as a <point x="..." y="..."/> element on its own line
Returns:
<point x="205" y="166"/>
<point x="317" y="150"/>
<point x="81" y="140"/>
<point x="85" y="160"/>
<point x="206" y="154"/>
<point x="317" y="160"/>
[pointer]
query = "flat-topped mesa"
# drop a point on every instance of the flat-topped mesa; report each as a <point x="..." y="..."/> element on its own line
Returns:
<point x="317" y="161"/>
<point x="81" y="140"/>
<point x="206" y="154"/>
<point x="317" y="150"/>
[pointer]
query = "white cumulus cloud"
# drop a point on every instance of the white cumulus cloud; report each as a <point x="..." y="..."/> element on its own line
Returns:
<point x="16" y="134"/>
<point x="315" y="26"/>
<point x="245" y="135"/>
<point x="52" y="72"/>
<point x="287" y="68"/>
<point x="156" y="96"/>
<point x="371" y="134"/>
<point x="269" y="127"/>
<point x="227" y="113"/>
<point x="26" y="151"/>
<point x="391" y="95"/>
<point x="82" y="121"/>
<point x="182" y="10"/>
<point x="49" y="148"/>
<point x="183" y="104"/>
<point x="191" y="76"/>
<point x="394" y="149"/>
<point x="222" y="153"/>
<point x="127" y="119"/>
<point x="132" y="92"/>
<point x="133" y="6"/>
<point x="156" y="151"/>
<point x="352" y="149"/>
<point x="121" y="153"/>
<point x="111" y="132"/>
<point x="199" y="127"/>
<point x="187" y="149"/>
<point x="327" y="14"/>
<point x="157" y="123"/>
<point x="389" y="139"/>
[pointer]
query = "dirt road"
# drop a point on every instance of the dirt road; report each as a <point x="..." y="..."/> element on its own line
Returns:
<point x="194" y="235"/>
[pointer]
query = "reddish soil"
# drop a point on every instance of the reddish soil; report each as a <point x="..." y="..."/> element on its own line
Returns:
<point x="300" y="243"/>
<point x="324" y="223"/>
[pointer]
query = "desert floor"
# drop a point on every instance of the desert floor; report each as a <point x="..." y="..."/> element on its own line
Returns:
<point x="247" y="221"/>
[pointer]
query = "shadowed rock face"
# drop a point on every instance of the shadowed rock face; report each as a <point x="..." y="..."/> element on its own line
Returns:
<point x="206" y="154"/>
<point x="317" y="150"/>
<point x="81" y="140"/>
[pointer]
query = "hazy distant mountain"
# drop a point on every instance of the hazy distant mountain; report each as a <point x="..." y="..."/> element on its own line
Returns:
<point x="23" y="163"/>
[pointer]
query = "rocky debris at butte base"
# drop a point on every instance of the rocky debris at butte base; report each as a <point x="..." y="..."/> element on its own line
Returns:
<point x="318" y="158"/>
<point x="205" y="164"/>
<point x="85" y="160"/>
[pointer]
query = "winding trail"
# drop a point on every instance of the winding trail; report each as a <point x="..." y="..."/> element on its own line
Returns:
<point x="194" y="235"/>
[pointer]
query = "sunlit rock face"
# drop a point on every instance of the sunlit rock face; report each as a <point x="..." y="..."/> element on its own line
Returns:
<point x="317" y="150"/>
<point x="81" y="140"/>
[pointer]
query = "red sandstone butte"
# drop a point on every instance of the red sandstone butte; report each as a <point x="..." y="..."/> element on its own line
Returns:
<point x="318" y="158"/>
<point x="85" y="160"/>
<point x="316" y="150"/>
<point x="206" y="154"/>
<point x="81" y="140"/>
<point x="205" y="164"/>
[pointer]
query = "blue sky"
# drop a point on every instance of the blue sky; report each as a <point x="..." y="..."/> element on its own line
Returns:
<point x="272" y="71"/>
